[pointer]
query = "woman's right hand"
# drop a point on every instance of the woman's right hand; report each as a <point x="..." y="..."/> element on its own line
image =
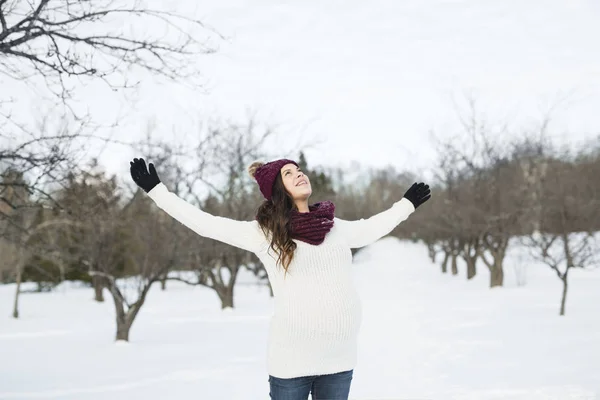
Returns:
<point x="145" y="179"/>
<point x="418" y="194"/>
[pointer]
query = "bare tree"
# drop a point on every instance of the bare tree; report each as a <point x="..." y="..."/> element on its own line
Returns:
<point x="9" y="257"/>
<point x="492" y="178"/>
<point x="23" y="219"/>
<point x="93" y="203"/>
<point x="33" y="164"/>
<point x="124" y="244"/>
<point x="42" y="160"/>
<point x="566" y="235"/>
<point x="216" y="266"/>
<point x="150" y="253"/>
<point x="466" y="223"/>
<point x="172" y="156"/>
<point x="18" y="225"/>
<point x="454" y="226"/>
<point x="63" y="42"/>
<point x="24" y="246"/>
<point x="52" y="264"/>
<point x="222" y="168"/>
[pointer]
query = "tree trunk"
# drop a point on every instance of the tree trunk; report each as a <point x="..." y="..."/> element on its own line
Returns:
<point x="470" y="254"/>
<point x="445" y="262"/>
<point x="496" y="274"/>
<point x="163" y="282"/>
<point x="471" y="270"/>
<point x="19" y="271"/>
<point x="124" y="318"/>
<point x="563" y="301"/>
<point x="570" y="264"/>
<point x="454" y="264"/>
<point x="97" y="282"/>
<point x="431" y="251"/>
<point x="226" y="297"/>
<point x="123" y="327"/>
<point x="123" y="323"/>
<point x="63" y="272"/>
<point x="497" y="247"/>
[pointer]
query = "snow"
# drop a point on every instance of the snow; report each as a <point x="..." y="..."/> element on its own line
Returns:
<point x="425" y="335"/>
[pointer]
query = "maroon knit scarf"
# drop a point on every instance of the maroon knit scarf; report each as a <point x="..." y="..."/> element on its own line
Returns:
<point x="312" y="226"/>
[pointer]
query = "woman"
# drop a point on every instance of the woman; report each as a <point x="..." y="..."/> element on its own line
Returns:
<point x="306" y="252"/>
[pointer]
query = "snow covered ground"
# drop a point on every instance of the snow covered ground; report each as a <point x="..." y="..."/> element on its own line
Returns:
<point x="424" y="336"/>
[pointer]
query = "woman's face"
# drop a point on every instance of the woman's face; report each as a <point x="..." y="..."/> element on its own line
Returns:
<point x="295" y="182"/>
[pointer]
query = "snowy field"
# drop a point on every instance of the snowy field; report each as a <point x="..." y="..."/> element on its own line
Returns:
<point x="424" y="336"/>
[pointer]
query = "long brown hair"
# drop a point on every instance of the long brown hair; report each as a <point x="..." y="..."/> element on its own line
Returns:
<point x="273" y="216"/>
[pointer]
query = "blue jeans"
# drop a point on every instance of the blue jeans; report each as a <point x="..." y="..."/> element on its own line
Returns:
<point x="323" y="387"/>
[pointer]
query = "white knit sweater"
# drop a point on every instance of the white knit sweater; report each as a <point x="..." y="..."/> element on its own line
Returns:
<point x="317" y="310"/>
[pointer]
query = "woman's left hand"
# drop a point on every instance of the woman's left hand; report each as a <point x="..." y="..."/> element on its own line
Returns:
<point x="418" y="194"/>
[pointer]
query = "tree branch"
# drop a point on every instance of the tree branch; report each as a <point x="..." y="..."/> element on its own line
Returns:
<point x="2" y="18"/>
<point x="191" y="283"/>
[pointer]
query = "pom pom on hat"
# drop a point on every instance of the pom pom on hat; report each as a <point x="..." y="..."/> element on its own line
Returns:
<point x="254" y="166"/>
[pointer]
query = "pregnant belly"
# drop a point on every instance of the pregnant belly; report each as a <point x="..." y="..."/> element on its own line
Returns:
<point x="320" y="317"/>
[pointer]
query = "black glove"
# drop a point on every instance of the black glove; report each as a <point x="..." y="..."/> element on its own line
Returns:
<point x="418" y="194"/>
<point x="144" y="179"/>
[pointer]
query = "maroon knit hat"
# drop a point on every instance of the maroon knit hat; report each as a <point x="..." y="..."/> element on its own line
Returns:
<point x="266" y="174"/>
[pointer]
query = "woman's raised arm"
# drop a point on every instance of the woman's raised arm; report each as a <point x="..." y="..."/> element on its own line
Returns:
<point x="246" y="235"/>
<point x="363" y="232"/>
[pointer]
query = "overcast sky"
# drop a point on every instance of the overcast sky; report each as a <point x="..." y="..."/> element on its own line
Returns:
<point x="372" y="79"/>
